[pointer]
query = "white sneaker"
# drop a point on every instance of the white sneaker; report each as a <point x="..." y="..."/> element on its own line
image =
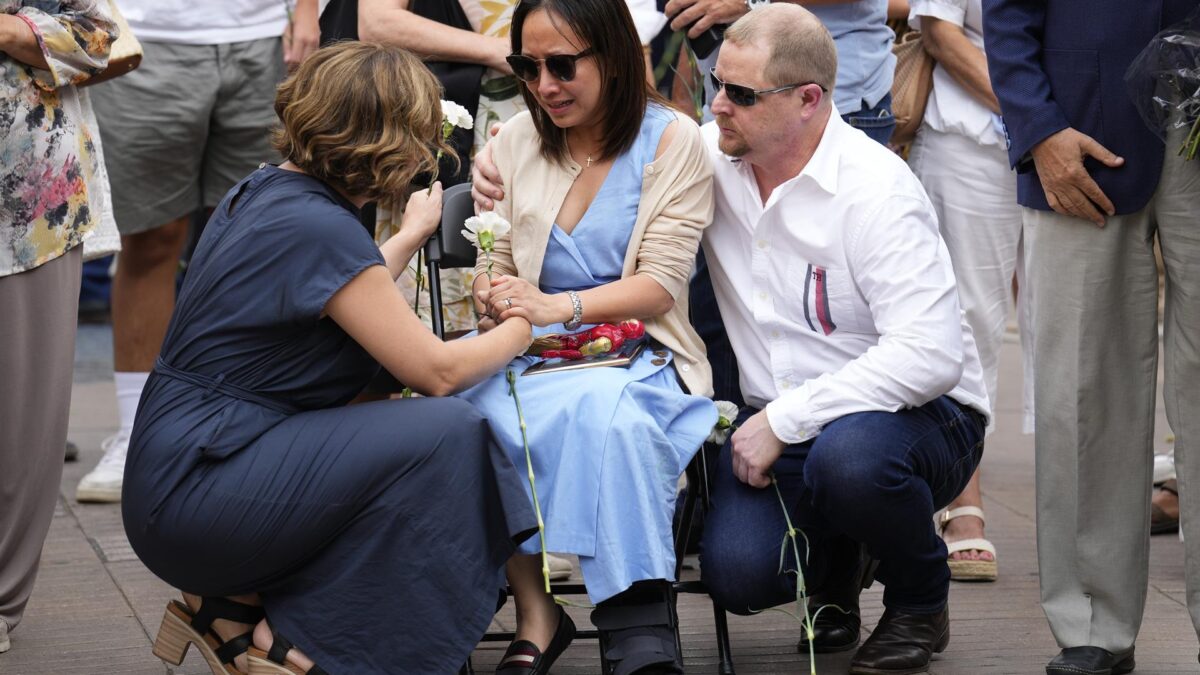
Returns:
<point x="1164" y="468"/>
<point x="5" y="644"/>
<point x="103" y="484"/>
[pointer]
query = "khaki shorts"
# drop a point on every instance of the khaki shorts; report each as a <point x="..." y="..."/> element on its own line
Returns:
<point x="179" y="131"/>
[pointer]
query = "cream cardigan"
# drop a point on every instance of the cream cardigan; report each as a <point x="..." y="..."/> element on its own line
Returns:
<point x="676" y="205"/>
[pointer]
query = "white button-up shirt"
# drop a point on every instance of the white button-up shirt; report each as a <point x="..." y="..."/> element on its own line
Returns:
<point x="838" y="294"/>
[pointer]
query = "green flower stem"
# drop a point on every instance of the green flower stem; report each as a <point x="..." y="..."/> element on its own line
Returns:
<point x="1192" y="143"/>
<point x="537" y="509"/>
<point x="801" y="595"/>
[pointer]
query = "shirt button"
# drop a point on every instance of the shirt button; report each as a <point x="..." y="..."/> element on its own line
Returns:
<point x="762" y="243"/>
<point x="685" y="367"/>
<point x="762" y="295"/>
<point x="775" y="334"/>
<point x="649" y="171"/>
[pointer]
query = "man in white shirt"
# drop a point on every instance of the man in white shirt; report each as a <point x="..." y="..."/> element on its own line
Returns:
<point x="865" y="397"/>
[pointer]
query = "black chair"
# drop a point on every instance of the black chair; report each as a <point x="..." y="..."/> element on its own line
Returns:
<point x="449" y="249"/>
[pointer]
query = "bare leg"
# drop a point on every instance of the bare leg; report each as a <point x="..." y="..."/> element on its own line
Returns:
<point x="967" y="527"/>
<point x="537" y="615"/>
<point x="143" y="294"/>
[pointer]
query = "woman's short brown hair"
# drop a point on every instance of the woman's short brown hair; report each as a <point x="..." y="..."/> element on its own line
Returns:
<point x="607" y="27"/>
<point x="363" y="118"/>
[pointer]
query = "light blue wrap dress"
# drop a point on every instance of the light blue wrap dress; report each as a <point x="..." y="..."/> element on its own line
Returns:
<point x="608" y="444"/>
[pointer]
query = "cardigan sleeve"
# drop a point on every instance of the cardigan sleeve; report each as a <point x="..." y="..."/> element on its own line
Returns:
<point x="502" y="146"/>
<point x="667" y="251"/>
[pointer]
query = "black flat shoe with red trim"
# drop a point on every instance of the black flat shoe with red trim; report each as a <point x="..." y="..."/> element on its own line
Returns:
<point x="524" y="658"/>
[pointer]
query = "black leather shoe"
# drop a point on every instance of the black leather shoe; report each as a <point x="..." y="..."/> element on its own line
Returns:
<point x="1090" y="661"/>
<point x="902" y="644"/>
<point x="837" y="626"/>
<point x="524" y="658"/>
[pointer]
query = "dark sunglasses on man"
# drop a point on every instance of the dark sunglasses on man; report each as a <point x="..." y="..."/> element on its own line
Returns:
<point x="746" y="96"/>
<point x="560" y="66"/>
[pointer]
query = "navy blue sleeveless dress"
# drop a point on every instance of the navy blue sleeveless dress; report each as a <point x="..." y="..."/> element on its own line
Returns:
<point x="376" y="533"/>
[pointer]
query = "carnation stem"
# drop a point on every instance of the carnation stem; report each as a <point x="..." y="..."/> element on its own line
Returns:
<point x="801" y="594"/>
<point x="537" y="509"/>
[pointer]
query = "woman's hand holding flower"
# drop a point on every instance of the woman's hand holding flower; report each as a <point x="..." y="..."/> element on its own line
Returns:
<point x="422" y="214"/>
<point x="513" y="296"/>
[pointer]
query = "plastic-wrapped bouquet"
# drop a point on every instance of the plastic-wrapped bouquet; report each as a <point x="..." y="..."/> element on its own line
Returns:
<point x="1164" y="81"/>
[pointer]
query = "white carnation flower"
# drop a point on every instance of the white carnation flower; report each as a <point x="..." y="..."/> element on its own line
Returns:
<point x="727" y="413"/>
<point x="484" y="229"/>
<point x="456" y="116"/>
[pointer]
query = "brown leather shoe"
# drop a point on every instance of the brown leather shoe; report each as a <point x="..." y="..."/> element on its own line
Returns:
<point x="902" y="644"/>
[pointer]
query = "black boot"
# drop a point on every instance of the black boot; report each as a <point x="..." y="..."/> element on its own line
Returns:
<point x="902" y="643"/>
<point x="639" y="631"/>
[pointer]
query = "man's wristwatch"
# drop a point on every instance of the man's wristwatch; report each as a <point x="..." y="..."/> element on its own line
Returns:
<point x="756" y="4"/>
<point x="576" y="312"/>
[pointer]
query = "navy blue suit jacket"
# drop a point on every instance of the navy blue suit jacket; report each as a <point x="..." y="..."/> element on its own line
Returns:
<point x="1061" y="63"/>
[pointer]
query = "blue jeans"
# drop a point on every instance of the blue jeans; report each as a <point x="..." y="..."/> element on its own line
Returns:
<point x="876" y="122"/>
<point x="875" y="477"/>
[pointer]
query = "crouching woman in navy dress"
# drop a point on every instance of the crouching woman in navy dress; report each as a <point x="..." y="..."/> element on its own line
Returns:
<point x="373" y="537"/>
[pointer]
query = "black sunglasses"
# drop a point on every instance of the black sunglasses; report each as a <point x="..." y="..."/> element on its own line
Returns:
<point x="561" y="66"/>
<point x="745" y="96"/>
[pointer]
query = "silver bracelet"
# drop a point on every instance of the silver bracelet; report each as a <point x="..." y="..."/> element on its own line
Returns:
<point x="576" y="312"/>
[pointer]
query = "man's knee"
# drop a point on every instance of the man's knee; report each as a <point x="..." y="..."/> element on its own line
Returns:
<point x="848" y="462"/>
<point x="743" y="576"/>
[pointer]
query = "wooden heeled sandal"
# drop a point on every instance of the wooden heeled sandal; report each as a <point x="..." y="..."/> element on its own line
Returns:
<point x="180" y="628"/>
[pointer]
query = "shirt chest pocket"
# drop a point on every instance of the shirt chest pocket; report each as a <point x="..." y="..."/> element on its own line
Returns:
<point x="824" y="300"/>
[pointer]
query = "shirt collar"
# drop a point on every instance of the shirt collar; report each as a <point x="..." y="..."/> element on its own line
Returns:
<point x="823" y="166"/>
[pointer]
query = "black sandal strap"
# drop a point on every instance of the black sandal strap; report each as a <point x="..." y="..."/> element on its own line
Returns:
<point x="234" y="647"/>
<point x="213" y="608"/>
<point x="280" y="646"/>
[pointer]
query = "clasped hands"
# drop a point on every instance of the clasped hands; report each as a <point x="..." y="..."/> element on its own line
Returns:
<point x="515" y="297"/>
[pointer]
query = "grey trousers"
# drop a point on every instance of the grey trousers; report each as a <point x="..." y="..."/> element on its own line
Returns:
<point x="38" y="314"/>
<point x="1095" y="318"/>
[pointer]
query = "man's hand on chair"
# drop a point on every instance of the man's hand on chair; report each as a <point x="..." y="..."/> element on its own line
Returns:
<point x="755" y="449"/>
<point x="487" y="188"/>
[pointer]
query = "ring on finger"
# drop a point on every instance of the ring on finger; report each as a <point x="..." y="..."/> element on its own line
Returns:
<point x="508" y="303"/>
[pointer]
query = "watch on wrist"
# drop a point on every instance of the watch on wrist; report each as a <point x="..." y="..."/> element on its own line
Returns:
<point x="576" y="312"/>
<point x="756" y="4"/>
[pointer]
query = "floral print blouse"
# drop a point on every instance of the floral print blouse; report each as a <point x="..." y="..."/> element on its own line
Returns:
<point x="47" y="158"/>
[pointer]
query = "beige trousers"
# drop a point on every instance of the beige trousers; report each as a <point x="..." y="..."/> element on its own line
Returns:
<point x="38" y="311"/>
<point x="1095" y="319"/>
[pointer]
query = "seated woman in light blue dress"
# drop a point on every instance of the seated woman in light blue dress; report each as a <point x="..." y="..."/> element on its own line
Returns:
<point x="608" y="192"/>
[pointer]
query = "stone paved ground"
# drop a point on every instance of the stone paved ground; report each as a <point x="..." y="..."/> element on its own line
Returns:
<point x="96" y="608"/>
